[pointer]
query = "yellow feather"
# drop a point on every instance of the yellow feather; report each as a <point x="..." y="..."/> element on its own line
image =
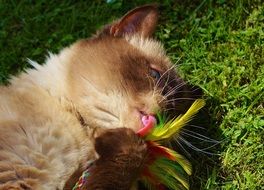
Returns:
<point x="171" y="128"/>
<point x="185" y="164"/>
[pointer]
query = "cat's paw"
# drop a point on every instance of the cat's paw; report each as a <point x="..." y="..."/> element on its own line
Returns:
<point x="119" y="141"/>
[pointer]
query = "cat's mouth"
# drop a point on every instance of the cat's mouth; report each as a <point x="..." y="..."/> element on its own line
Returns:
<point x="148" y="122"/>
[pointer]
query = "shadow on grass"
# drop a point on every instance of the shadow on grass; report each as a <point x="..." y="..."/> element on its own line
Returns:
<point x="202" y="148"/>
<point x="200" y="142"/>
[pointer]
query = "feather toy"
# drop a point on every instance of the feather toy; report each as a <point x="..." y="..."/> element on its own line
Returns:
<point x="164" y="166"/>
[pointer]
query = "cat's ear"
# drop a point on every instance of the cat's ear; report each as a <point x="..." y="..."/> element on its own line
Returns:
<point x="141" y="21"/>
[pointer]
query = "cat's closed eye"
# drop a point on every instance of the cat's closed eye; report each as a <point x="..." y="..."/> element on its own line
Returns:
<point x="155" y="74"/>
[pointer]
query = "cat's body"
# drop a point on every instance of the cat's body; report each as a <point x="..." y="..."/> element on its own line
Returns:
<point x="39" y="137"/>
<point x="50" y="115"/>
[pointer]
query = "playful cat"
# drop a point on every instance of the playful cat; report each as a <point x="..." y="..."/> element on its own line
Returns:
<point x="50" y="115"/>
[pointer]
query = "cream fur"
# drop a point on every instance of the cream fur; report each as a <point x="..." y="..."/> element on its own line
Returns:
<point x="149" y="46"/>
<point x="41" y="142"/>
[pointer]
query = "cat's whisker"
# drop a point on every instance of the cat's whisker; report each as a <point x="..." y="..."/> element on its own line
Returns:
<point x="184" y="150"/>
<point x="174" y="89"/>
<point x="158" y="82"/>
<point x="197" y="149"/>
<point x="171" y="92"/>
<point x="161" y="77"/>
<point x="209" y="147"/>
<point x="195" y="89"/>
<point x="196" y="126"/>
<point x="155" y="88"/>
<point x="177" y="64"/>
<point x="200" y="138"/>
<point x="166" y="83"/>
<point x="174" y="66"/>
<point x="169" y="109"/>
<point x="186" y="91"/>
<point x="176" y="99"/>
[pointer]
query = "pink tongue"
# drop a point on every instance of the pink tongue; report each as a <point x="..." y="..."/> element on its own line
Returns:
<point x="149" y="122"/>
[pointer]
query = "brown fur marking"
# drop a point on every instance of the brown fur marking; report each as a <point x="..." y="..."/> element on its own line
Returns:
<point x="122" y="155"/>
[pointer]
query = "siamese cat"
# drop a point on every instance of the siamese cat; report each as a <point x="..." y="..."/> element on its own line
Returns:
<point x="50" y="115"/>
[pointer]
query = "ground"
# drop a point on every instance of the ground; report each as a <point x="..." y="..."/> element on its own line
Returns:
<point x="218" y="46"/>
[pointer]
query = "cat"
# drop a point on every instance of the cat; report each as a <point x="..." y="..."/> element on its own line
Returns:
<point x="50" y="115"/>
<point x="122" y="154"/>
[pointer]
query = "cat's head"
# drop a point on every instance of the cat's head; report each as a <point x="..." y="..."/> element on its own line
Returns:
<point x="122" y="74"/>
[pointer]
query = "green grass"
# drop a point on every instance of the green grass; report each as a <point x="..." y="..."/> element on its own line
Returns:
<point x="219" y="45"/>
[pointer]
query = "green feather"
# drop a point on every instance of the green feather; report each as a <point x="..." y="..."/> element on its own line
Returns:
<point x="173" y="171"/>
<point x="185" y="164"/>
<point x="170" y="174"/>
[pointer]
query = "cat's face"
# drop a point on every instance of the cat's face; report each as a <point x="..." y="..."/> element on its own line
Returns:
<point x="120" y="75"/>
